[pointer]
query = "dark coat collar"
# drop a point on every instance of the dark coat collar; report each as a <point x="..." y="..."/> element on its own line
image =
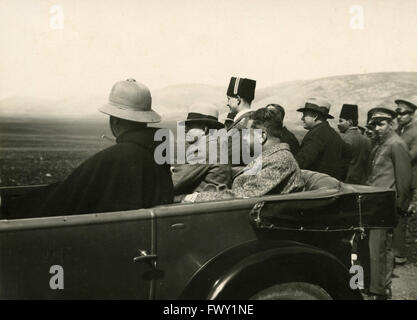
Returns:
<point x="144" y="137"/>
<point x="320" y="125"/>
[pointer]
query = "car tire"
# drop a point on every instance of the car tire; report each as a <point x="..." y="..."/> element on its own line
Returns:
<point x="292" y="291"/>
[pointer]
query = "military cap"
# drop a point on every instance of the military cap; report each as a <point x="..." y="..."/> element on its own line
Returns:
<point x="409" y="105"/>
<point x="381" y="113"/>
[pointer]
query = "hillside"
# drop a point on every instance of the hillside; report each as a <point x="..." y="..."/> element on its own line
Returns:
<point x="172" y="102"/>
<point x="366" y="90"/>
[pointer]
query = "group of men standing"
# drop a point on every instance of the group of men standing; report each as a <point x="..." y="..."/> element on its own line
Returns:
<point x="384" y="160"/>
<point x="384" y="157"/>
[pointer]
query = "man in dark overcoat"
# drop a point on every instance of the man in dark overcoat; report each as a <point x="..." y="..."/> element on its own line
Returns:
<point x="124" y="176"/>
<point x="322" y="148"/>
<point x="361" y="145"/>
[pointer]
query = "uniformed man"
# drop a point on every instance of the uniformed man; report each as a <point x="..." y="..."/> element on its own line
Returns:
<point x="322" y="148"/>
<point x="370" y="129"/>
<point x="407" y="129"/>
<point x="361" y="146"/>
<point x="390" y="167"/>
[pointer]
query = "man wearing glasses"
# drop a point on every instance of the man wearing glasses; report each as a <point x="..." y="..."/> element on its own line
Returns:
<point x="407" y="129"/>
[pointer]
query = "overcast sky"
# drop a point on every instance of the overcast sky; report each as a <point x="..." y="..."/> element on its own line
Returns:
<point x="165" y="42"/>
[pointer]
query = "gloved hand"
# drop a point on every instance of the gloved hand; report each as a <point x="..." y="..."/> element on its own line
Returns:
<point x="190" y="197"/>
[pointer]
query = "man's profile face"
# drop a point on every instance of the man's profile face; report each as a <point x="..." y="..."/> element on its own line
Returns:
<point x="309" y="119"/>
<point x="404" y="115"/>
<point x="233" y="104"/>
<point x="382" y="127"/>
<point x="343" y="125"/>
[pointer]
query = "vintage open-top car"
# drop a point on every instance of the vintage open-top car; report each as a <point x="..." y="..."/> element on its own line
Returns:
<point x="295" y="246"/>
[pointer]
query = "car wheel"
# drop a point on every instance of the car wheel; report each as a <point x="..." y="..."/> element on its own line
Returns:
<point x="292" y="291"/>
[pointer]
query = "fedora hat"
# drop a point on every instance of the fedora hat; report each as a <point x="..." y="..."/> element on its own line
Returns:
<point x="205" y="113"/>
<point x="131" y="100"/>
<point x="319" y="105"/>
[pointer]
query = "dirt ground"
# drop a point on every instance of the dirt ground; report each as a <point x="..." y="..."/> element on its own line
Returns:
<point x="404" y="283"/>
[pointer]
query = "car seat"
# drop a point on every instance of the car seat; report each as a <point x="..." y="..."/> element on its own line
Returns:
<point x="316" y="180"/>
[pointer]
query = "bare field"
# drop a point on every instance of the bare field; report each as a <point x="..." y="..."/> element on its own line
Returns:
<point x="43" y="151"/>
<point x="46" y="151"/>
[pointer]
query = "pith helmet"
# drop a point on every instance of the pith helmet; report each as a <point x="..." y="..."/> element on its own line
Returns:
<point x="131" y="100"/>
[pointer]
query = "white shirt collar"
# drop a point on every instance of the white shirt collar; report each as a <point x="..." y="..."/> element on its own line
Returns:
<point x="241" y="113"/>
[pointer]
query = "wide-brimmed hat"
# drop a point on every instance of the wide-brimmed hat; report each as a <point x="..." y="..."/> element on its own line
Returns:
<point x="381" y="113"/>
<point x="349" y="112"/>
<point x="317" y="104"/>
<point x="242" y="87"/>
<point x="205" y="113"/>
<point x="131" y="100"/>
<point x="409" y="105"/>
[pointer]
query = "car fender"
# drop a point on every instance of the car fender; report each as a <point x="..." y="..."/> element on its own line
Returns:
<point x="242" y="271"/>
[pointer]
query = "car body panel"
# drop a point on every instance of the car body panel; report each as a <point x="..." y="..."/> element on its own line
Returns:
<point x="95" y="251"/>
<point x="185" y="241"/>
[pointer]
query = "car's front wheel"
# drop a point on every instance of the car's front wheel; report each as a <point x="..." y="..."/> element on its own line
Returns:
<point x="292" y="291"/>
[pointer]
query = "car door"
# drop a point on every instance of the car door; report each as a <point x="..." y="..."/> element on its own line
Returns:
<point x="77" y="257"/>
<point x="189" y="235"/>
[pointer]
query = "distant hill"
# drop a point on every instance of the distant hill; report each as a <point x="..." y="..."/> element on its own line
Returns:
<point x="173" y="101"/>
<point x="34" y="107"/>
<point x="367" y="90"/>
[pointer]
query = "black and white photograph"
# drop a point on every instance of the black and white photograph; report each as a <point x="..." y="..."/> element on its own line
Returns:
<point x="209" y="150"/>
